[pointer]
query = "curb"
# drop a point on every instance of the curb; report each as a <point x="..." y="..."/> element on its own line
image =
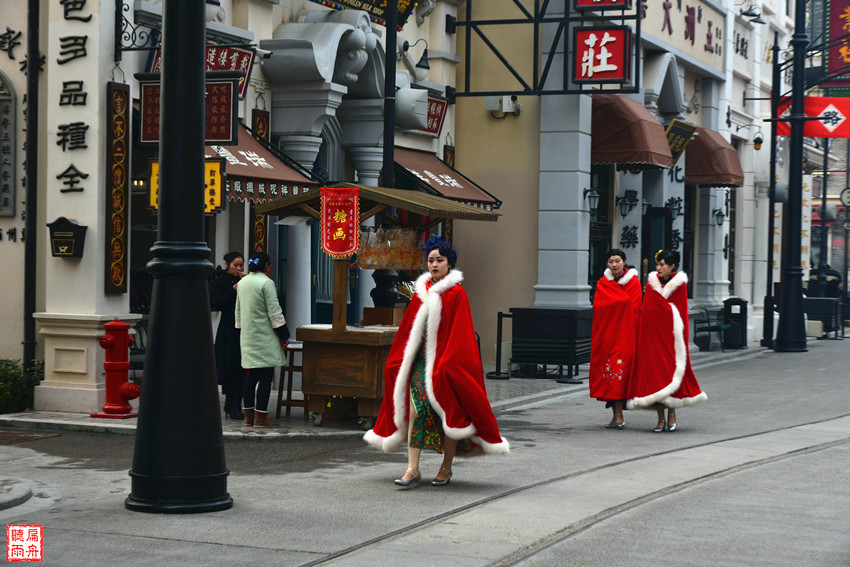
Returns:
<point x="13" y="492"/>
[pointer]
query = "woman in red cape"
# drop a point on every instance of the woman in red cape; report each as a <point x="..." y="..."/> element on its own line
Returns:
<point x="616" y="316"/>
<point x="434" y="393"/>
<point x="664" y="377"/>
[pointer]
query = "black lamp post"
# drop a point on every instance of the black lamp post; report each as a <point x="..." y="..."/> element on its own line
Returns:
<point x="389" y="94"/>
<point x="178" y="463"/>
<point x="791" y="332"/>
<point x="823" y="229"/>
<point x="767" y="327"/>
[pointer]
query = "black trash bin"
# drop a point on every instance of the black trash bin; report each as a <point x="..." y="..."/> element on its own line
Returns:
<point x="735" y="314"/>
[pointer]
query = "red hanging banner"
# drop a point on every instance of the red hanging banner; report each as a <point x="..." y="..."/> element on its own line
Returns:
<point x="834" y="113"/>
<point x="340" y="213"/>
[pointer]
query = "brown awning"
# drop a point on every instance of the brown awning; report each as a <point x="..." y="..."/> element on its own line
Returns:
<point x="711" y="160"/>
<point x="254" y="173"/>
<point x="625" y="133"/>
<point x="437" y="177"/>
<point x="308" y="204"/>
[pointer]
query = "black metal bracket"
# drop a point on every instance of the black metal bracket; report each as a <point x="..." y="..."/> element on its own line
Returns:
<point x="558" y="28"/>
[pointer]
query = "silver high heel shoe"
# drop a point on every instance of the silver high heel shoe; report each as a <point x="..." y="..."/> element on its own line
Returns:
<point x="662" y="425"/>
<point x="671" y="427"/>
<point x="444" y="481"/>
<point x="412" y="481"/>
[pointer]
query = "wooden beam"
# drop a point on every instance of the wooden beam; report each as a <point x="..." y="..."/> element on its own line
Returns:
<point x="373" y="211"/>
<point x="310" y="210"/>
<point x="340" y="294"/>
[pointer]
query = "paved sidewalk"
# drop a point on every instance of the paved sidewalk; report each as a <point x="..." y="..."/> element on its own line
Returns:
<point x="503" y="394"/>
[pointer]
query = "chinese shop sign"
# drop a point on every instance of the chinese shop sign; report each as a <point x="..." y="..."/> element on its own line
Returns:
<point x="117" y="166"/>
<point x="602" y="5"/>
<point x="838" y="56"/>
<point x="377" y="9"/>
<point x="219" y="105"/>
<point x="259" y="222"/>
<point x="340" y="214"/>
<point x="833" y="113"/>
<point x="679" y="133"/>
<point x="8" y="134"/>
<point x="221" y="59"/>
<point x="436" y="116"/>
<point x="601" y="54"/>
<point x="214" y="186"/>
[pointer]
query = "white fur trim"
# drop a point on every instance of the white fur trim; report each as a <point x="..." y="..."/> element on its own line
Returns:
<point x="624" y="279"/>
<point x="500" y="448"/>
<point x="385" y="444"/>
<point x="667" y="290"/>
<point x="681" y="353"/>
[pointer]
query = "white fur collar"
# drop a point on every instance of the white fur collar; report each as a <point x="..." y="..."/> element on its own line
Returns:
<point x="453" y="278"/>
<point x="678" y="279"/>
<point x="627" y="277"/>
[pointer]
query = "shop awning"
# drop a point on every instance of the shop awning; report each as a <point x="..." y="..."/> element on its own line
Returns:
<point x="254" y="173"/>
<point x="374" y="200"/>
<point x="433" y="175"/>
<point x="623" y="132"/>
<point x="711" y="160"/>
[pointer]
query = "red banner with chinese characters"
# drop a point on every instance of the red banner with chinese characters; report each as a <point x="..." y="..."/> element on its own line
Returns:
<point x="601" y="54"/>
<point x="340" y="216"/>
<point x="833" y="112"/>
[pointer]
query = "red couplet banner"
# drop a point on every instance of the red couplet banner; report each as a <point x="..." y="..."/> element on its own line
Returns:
<point x="340" y="221"/>
<point x="834" y="113"/>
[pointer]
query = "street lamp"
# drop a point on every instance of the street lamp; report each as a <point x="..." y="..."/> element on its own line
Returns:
<point x="719" y="216"/>
<point x="626" y="203"/>
<point x="767" y="325"/>
<point x="178" y="462"/>
<point x="791" y="332"/>
<point x="675" y="206"/>
<point x="592" y="200"/>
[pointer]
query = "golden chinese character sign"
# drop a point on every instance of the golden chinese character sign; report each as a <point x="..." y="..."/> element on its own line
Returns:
<point x="214" y="186"/>
<point x="838" y="55"/>
<point x="340" y="216"/>
<point x="679" y="133"/>
<point x="117" y="166"/>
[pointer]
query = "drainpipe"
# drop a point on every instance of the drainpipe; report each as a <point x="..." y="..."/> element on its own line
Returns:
<point x="31" y="209"/>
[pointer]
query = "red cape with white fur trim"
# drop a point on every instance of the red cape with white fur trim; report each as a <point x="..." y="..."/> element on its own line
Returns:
<point x="664" y="373"/>
<point x="616" y="316"/>
<point x="454" y="377"/>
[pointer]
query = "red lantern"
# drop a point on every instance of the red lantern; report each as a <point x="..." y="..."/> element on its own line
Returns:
<point x="340" y="221"/>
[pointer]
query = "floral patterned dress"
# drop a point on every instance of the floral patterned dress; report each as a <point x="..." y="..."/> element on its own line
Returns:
<point x="425" y="432"/>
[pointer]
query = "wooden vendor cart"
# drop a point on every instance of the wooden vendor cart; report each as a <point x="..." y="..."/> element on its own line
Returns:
<point x="343" y="360"/>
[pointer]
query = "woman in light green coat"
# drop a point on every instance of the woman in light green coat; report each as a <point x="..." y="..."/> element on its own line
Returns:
<point x="262" y="340"/>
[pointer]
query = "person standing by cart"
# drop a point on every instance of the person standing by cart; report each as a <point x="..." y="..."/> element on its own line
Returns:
<point x="262" y="340"/>
<point x="613" y="346"/>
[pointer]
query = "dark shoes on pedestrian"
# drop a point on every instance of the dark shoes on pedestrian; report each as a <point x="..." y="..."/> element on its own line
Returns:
<point x="249" y="417"/>
<point x="261" y="419"/>
<point x="232" y="409"/>
<point x="613" y="424"/>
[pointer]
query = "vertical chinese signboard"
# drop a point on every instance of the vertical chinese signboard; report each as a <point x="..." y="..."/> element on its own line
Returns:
<point x="117" y="166"/>
<point x="340" y="216"/>
<point x="220" y="109"/>
<point x="214" y="186"/>
<point x="679" y="133"/>
<point x="838" y="55"/>
<point x="602" y="54"/>
<point x="259" y="222"/>
<point x="8" y="134"/>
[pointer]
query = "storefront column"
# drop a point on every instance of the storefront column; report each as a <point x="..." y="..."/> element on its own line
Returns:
<point x="563" y="218"/>
<point x="362" y="122"/>
<point x="712" y="285"/>
<point x="75" y="304"/>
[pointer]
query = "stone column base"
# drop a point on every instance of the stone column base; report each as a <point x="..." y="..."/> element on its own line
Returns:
<point x="74" y="379"/>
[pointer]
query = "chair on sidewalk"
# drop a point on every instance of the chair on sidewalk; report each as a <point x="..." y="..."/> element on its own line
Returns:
<point x="704" y="325"/>
<point x="286" y="378"/>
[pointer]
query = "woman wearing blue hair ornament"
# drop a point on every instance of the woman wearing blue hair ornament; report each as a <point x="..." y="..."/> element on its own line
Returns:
<point x="262" y="340"/>
<point x="434" y="393"/>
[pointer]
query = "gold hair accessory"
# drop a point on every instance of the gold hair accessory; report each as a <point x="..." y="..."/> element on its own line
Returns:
<point x="657" y="253"/>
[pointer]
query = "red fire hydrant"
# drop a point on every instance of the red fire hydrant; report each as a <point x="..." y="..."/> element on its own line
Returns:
<point x="119" y="390"/>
